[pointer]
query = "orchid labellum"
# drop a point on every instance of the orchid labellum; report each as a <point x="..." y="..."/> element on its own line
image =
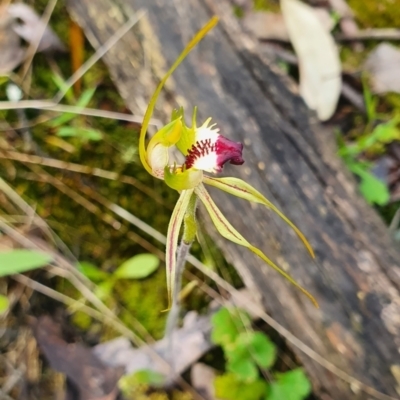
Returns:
<point x="205" y="151"/>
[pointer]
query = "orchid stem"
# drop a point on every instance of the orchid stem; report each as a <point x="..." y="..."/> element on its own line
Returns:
<point x="189" y="234"/>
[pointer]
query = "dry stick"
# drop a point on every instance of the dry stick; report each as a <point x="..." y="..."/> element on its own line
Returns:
<point x="370" y="34"/>
<point x="32" y="49"/>
<point x="82" y="169"/>
<point x="61" y="108"/>
<point x="133" y="20"/>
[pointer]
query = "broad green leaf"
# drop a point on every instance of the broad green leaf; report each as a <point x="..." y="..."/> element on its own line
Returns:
<point x="174" y="227"/>
<point x="137" y="267"/>
<point x="4" y="304"/>
<point x="229" y="387"/>
<point x="373" y="189"/>
<point x="150" y="108"/>
<point x="92" y="272"/>
<point x="262" y="349"/>
<point x="244" y="368"/>
<point x="21" y="260"/>
<point x="241" y="189"/>
<point x="248" y="349"/>
<point x="227" y="324"/>
<point x="229" y="232"/>
<point x="291" y="385"/>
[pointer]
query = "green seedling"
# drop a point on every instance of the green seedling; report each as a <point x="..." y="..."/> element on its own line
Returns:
<point x="247" y="353"/>
<point x="19" y="261"/>
<point x="138" y="267"/>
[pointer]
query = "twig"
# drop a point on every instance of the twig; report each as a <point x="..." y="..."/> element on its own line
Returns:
<point x="100" y="53"/>
<point x="61" y="108"/>
<point x="370" y="34"/>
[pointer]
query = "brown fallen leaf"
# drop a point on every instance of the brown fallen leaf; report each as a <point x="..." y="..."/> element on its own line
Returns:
<point x="87" y="377"/>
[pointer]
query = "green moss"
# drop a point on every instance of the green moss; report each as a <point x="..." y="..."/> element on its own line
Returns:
<point x="266" y="5"/>
<point x="376" y="13"/>
<point x="145" y="300"/>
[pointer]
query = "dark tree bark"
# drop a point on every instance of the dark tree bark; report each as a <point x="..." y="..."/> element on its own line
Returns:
<point x="290" y="158"/>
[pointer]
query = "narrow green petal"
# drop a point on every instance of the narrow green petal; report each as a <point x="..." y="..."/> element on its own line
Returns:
<point x="174" y="227"/>
<point x="185" y="180"/>
<point x="229" y="232"/>
<point x="239" y="188"/>
<point x="150" y="108"/>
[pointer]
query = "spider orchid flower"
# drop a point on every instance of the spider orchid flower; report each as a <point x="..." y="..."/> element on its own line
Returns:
<point x="205" y="151"/>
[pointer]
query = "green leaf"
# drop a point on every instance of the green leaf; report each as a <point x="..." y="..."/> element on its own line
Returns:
<point x="373" y="189"/>
<point x="92" y="272"/>
<point x="262" y="349"/>
<point x="103" y="290"/>
<point x="81" y="133"/>
<point x="20" y="260"/>
<point x="291" y="385"/>
<point x="248" y="349"/>
<point x="82" y="102"/>
<point x="4" y="304"/>
<point x="229" y="387"/>
<point x="227" y="324"/>
<point x="243" y="367"/>
<point x="137" y="267"/>
<point x="229" y="232"/>
<point x="61" y="84"/>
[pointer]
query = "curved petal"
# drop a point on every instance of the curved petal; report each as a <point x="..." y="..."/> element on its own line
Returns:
<point x="179" y="180"/>
<point x="174" y="227"/>
<point x="229" y="232"/>
<point x="146" y="119"/>
<point x="239" y="188"/>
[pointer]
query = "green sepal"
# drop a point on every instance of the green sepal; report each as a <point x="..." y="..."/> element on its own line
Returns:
<point x="241" y="189"/>
<point x="182" y="180"/>
<point x="229" y="232"/>
<point x="188" y="137"/>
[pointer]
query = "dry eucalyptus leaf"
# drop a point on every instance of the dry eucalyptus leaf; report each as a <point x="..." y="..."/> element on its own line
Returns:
<point x="12" y="54"/>
<point x="319" y="62"/>
<point x="32" y="28"/>
<point x="383" y="66"/>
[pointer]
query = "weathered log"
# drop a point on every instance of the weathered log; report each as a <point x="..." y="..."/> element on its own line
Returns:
<point x="292" y="159"/>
